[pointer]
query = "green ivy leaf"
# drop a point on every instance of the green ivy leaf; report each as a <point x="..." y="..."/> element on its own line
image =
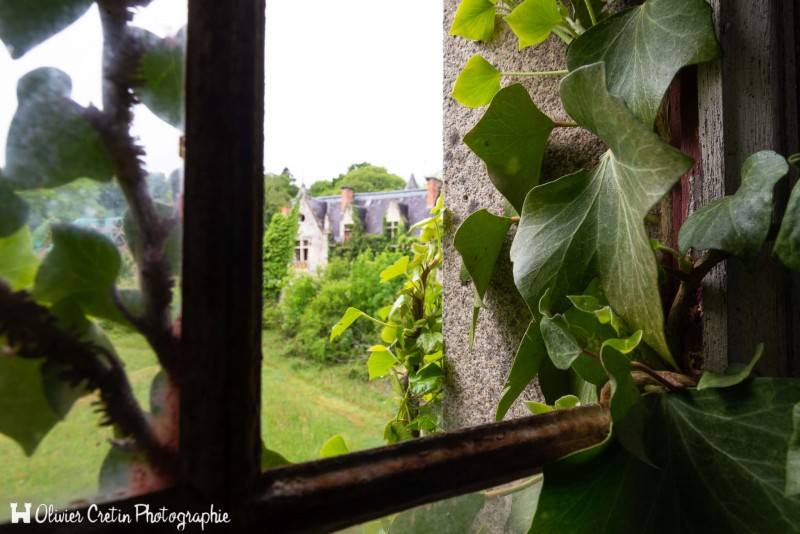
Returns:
<point x="793" y="457"/>
<point x="565" y="235"/>
<point x="738" y="224"/>
<point x="787" y="245"/>
<point x="429" y="379"/>
<point x="18" y="263"/>
<point x="430" y="342"/>
<point x="25" y="414"/>
<point x="734" y="374"/>
<point x="474" y="19"/>
<point x="396" y="269"/>
<point x="510" y="139"/>
<point x="477" y="84"/>
<point x="530" y="356"/>
<point x="161" y="68"/>
<point x="567" y="401"/>
<point x="561" y="345"/>
<point x="380" y="362"/>
<point x="25" y="24"/>
<point x="49" y="142"/>
<point x="271" y="459"/>
<point x="581" y="13"/>
<point x="644" y="47"/>
<point x="628" y="412"/>
<point x="722" y="468"/>
<point x="523" y="508"/>
<point x="533" y="20"/>
<point x="479" y="240"/>
<point x="13" y="211"/>
<point x="537" y="408"/>
<point x="450" y="516"/>
<point x="335" y="446"/>
<point x="348" y="319"/>
<point x="82" y="264"/>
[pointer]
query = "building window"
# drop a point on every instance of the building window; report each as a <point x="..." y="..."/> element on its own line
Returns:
<point x="301" y="249"/>
<point x="392" y="227"/>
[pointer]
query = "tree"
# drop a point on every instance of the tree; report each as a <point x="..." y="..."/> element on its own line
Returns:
<point x="278" y="251"/>
<point x="279" y="190"/>
<point x="362" y="177"/>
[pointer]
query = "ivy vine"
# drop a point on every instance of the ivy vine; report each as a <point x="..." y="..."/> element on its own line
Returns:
<point x="677" y="459"/>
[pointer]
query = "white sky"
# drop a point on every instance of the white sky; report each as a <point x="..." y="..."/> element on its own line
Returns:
<point x="347" y="81"/>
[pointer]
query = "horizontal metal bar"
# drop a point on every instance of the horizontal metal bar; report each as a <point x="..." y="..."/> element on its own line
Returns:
<point x="346" y="490"/>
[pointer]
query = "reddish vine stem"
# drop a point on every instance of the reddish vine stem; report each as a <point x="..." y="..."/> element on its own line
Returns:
<point x="121" y="52"/>
<point x="679" y="312"/>
<point x="32" y="332"/>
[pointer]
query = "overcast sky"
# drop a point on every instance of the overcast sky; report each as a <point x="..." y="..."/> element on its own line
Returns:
<point x="347" y="81"/>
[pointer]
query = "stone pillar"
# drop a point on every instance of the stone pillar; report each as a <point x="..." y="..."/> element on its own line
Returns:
<point x="475" y="379"/>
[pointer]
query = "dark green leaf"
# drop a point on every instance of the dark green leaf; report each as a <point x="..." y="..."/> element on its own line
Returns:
<point x="530" y="355"/>
<point x="644" y="47"/>
<point x="474" y="19"/>
<point x="396" y="431"/>
<point x="793" y="457"/>
<point x="510" y="139"/>
<point x="628" y="412"/>
<point x="722" y="468"/>
<point x="561" y="345"/>
<point x="553" y="382"/>
<point x="25" y="413"/>
<point x="451" y="516"/>
<point x="27" y="23"/>
<point x="430" y="342"/>
<point x="581" y="13"/>
<point x="173" y="243"/>
<point x="477" y="84"/>
<point x="738" y="224"/>
<point x="334" y="447"/>
<point x="533" y="20"/>
<point x="565" y="238"/>
<point x="49" y="142"/>
<point x="734" y="374"/>
<point x="479" y="240"/>
<point x="787" y="246"/>
<point x="161" y="68"/>
<point x="18" y="263"/>
<point x="271" y="459"/>
<point x="429" y="379"/>
<point x="13" y="211"/>
<point x="82" y="264"/>
<point x="523" y="508"/>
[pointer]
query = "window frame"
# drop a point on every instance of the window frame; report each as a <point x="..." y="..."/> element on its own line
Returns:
<point x="220" y="375"/>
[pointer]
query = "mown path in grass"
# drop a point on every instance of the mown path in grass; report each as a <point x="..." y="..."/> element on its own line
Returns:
<point x="304" y="405"/>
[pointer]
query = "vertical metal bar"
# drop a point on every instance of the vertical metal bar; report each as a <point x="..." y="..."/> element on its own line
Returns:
<point x="223" y="226"/>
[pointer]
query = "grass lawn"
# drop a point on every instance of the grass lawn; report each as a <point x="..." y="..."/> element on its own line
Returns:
<point x="304" y="405"/>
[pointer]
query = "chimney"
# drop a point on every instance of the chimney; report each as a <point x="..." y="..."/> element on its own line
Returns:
<point x="285" y="210"/>
<point x="434" y="186"/>
<point x="347" y="196"/>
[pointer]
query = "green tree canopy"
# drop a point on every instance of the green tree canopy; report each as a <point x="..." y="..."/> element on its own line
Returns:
<point x="279" y="190"/>
<point x="362" y="177"/>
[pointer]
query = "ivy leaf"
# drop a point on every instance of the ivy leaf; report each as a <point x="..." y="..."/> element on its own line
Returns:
<point x="25" y="414"/>
<point x="25" y="24"/>
<point x="530" y="356"/>
<point x="477" y="84"/>
<point x="349" y="317"/>
<point x="335" y="446"/>
<point x="537" y="408"/>
<point x="644" y="47"/>
<point x="13" y="211"/>
<point x="18" y="263"/>
<point x="628" y="413"/>
<point x="82" y="264"/>
<point x="474" y="19"/>
<point x="523" y="508"/>
<point x="510" y="139"/>
<point x="430" y="342"/>
<point x="161" y="69"/>
<point x="450" y="516"/>
<point x="567" y="401"/>
<point x="380" y="362"/>
<point x="394" y="270"/>
<point x="793" y="457"/>
<point x="49" y="142"/>
<point x="533" y="20"/>
<point x="561" y="345"/>
<point x="787" y="245"/>
<point x="429" y="379"/>
<point x="722" y="468"/>
<point x="591" y="224"/>
<point x="734" y="374"/>
<point x="479" y="240"/>
<point x="116" y="471"/>
<point x="271" y="459"/>
<point x="739" y="223"/>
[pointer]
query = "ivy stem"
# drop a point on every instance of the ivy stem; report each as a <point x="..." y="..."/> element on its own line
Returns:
<point x="590" y="9"/>
<point x="564" y="33"/>
<point x="514" y="219"/>
<point x="501" y="10"/>
<point x="574" y="26"/>
<point x="511" y="5"/>
<point x="510" y="490"/>
<point x="663" y="380"/>
<point x="537" y="73"/>
<point x="671" y="251"/>
<point x="557" y="124"/>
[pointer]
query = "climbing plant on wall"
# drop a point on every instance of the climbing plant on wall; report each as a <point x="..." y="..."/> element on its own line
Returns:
<point x="676" y="459"/>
